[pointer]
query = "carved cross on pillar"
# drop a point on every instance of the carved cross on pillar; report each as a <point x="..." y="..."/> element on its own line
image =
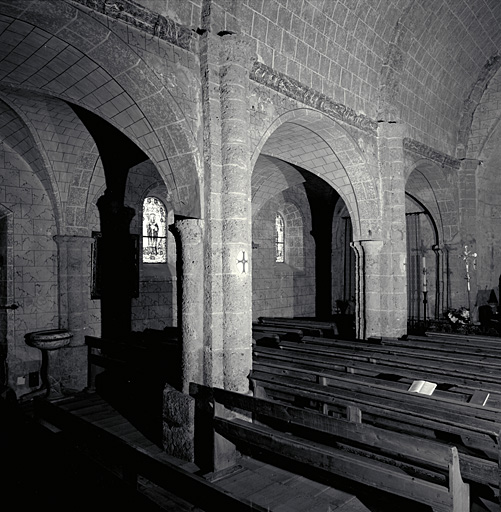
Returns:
<point x="242" y="262"/>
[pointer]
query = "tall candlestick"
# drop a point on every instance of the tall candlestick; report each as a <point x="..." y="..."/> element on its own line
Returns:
<point x="424" y="273"/>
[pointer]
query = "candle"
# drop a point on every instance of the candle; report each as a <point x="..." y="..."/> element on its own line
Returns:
<point x="424" y="273"/>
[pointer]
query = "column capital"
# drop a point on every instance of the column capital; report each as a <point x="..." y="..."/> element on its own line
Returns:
<point x="189" y="230"/>
<point x="369" y="247"/>
<point x="75" y="240"/>
<point x="470" y="163"/>
<point x="236" y="49"/>
<point x="115" y="217"/>
<point x="391" y="130"/>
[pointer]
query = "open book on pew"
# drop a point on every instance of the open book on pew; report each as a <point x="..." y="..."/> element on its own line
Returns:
<point x="423" y="386"/>
<point x="479" y="397"/>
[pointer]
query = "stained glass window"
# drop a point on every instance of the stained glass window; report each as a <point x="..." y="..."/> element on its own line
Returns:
<point x="279" y="239"/>
<point x="154" y="231"/>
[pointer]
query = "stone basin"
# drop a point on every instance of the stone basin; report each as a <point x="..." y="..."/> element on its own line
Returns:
<point x="50" y="339"/>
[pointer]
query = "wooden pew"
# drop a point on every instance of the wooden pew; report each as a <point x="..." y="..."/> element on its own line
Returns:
<point x="462" y="384"/>
<point x="476" y="439"/>
<point x="334" y="351"/>
<point x="489" y="369"/>
<point x="309" y="327"/>
<point x="151" y="360"/>
<point x="487" y="361"/>
<point x="285" y="333"/>
<point x="317" y="375"/>
<point x="388" y="461"/>
<point x="136" y="461"/>
<point x="373" y="375"/>
<point x="266" y="339"/>
<point x="381" y="391"/>
<point x="455" y="343"/>
<point x="467" y="338"/>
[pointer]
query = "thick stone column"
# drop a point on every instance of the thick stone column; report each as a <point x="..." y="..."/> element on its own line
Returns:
<point x="74" y="259"/>
<point x="393" y="254"/>
<point x="116" y="261"/>
<point x="368" y="288"/>
<point x="210" y="45"/>
<point x="235" y="62"/>
<point x="190" y="247"/>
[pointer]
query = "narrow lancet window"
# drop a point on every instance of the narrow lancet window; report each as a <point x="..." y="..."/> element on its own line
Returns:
<point x="279" y="239"/>
<point x="154" y="231"/>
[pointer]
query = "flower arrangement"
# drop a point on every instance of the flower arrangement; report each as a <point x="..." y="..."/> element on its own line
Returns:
<point x="460" y="316"/>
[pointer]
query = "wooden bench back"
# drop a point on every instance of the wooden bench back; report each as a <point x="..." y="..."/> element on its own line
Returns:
<point x="389" y="461"/>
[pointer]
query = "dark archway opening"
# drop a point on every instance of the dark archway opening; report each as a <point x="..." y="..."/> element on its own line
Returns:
<point x="117" y="250"/>
<point x="140" y="363"/>
<point x="322" y="199"/>
<point x="424" y="288"/>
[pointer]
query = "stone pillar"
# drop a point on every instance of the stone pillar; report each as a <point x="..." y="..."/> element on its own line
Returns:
<point x="74" y="259"/>
<point x="393" y="292"/>
<point x="368" y="288"/>
<point x="359" y="290"/>
<point x="190" y="247"/>
<point x="210" y="45"/>
<point x="468" y="199"/>
<point x="117" y="265"/>
<point x="235" y="62"/>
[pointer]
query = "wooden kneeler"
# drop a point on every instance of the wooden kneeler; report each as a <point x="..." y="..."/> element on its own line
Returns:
<point x="418" y="469"/>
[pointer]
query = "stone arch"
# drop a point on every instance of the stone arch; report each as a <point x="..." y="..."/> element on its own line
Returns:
<point x="77" y="62"/>
<point x="484" y="122"/>
<point x="478" y="89"/>
<point x="342" y="164"/>
<point x="484" y="153"/>
<point x="432" y="186"/>
<point x="18" y="134"/>
<point x="271" y="176"/>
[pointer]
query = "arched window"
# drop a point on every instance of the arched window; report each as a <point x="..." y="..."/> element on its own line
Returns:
<point x="279" y="239"/>
<point x="154" y="231"/>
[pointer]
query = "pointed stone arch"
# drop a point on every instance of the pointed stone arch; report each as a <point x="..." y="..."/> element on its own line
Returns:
<point x="317" y="143"/>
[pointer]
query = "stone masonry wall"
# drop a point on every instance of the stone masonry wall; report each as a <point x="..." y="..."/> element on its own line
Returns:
<point x="484" y="147"/>
<point x="34" y="283"/>
<point x="283" y="289"/>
